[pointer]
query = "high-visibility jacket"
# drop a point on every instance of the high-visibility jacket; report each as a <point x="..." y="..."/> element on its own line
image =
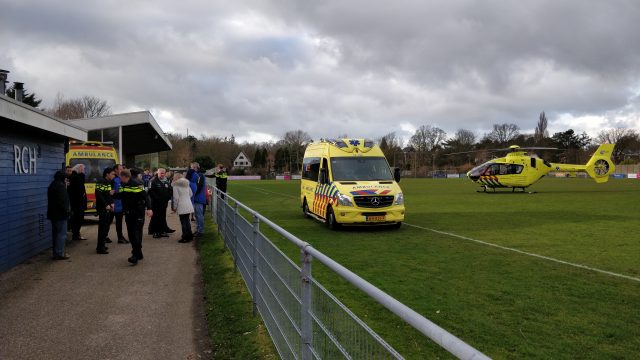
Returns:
<point x="103" y="197"/>
<point x="134" y="198"/>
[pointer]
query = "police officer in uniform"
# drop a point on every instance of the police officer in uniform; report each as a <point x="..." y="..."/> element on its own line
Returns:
<point x="221" y="179"/>
<point x="104" y="207"/>
<point x="134" y="202"/>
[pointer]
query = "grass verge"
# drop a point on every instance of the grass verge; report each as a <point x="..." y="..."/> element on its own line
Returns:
<point x="506" y="304"/>
<point x="234" y="332"/>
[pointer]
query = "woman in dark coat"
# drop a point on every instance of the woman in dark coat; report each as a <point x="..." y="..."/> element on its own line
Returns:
<point x="58" y="211"/>
<point x="78" y="199"/>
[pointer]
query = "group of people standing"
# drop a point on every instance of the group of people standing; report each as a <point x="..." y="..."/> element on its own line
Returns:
<point x="121" y="193"/>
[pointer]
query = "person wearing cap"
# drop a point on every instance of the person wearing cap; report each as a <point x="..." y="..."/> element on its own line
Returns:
<point x="134" y="203"/>
<point x="221" y="179"/>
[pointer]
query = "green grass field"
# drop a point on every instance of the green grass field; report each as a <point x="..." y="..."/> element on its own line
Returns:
<point x="506" y="304"/>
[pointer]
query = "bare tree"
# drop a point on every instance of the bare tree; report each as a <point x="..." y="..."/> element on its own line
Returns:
<point x="427" y="137"/>
<point x="80" y="108"/>
<point x="295" y="141"/>
<point x="503" y="133"/>
<point x="391" y="146"/>
<point x="626" y="140"/>
<point x="541" y="129"/>
<point x="95" y="107"/>
<point x="297" y="138"/>
<point x="465" y="138"/>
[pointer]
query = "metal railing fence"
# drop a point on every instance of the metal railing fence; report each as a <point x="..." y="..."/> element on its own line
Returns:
<point x="305" y="320"/>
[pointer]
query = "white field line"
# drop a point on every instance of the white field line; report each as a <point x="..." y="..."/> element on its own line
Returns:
<point x="528" y="253"/>
<point x="548" y="258"/>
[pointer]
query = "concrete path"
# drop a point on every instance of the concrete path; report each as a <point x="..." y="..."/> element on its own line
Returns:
<point x="99" y="307"/>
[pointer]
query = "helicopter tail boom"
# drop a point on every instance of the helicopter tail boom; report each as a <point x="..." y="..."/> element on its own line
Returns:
<point x="600" y="166"/>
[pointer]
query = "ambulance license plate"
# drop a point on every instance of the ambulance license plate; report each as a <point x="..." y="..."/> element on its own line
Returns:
<point x="376" y="218"/>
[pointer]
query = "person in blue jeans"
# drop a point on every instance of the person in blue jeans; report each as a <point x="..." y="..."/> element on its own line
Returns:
<point x="117" y="211"/>
<point x="199" y="196"/>
<point x="58" y="212"/>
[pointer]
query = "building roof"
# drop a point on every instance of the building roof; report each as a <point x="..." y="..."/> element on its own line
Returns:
<point x="141" y="134"/>
<point x="27" y="115"/>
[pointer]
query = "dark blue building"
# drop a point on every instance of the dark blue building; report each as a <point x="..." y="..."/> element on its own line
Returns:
<point x="32" y="149"/>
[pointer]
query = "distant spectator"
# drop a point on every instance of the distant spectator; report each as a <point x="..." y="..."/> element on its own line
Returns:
<point x="193" y="187"/>
<point x="199" y="197"/>
<point x="146" y="178"/>
<point x="182" y="205"/>
<point x="117" y="205"/>
<point x="78" y="199"/>
<point x="221" y="179"/>
<point x="58" y="212"/>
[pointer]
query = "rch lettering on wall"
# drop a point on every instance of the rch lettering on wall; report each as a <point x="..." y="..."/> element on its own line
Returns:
<point x="24" y="160"/>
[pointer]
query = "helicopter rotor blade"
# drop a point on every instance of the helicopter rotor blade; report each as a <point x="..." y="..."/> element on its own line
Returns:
<point x="505" y="149"/>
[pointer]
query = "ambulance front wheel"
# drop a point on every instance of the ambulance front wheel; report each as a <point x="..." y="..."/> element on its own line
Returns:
<point x="305" y="208"/>
<point x="397" y="225"/>
<point x="331" y="220"/>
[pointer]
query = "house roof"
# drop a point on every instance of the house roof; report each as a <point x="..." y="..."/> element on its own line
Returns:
<point x="29" y="116"/>
<point x="243" y="154"/>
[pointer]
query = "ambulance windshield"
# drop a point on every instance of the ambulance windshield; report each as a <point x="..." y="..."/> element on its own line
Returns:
<point x="360" y="169"/>
<point x="93" y="167"/>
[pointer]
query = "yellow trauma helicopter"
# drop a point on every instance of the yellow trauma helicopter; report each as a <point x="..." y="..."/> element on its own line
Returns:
<point x="519" y="169"/>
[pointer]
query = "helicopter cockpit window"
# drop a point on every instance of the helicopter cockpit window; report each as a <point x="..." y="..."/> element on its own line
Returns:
<point x="503" y="169"/>
<point x="515" y="169"/>
<point x="494" y="169"/>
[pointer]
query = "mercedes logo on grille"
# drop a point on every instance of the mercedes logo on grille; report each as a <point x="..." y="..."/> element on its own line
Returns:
<point x="375" y="201"/>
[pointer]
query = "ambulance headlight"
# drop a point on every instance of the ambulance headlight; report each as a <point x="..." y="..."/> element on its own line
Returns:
<point x="399" y="199"/>
<point x="344" y="200"/>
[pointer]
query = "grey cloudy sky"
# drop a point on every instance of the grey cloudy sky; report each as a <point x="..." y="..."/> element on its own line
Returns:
<point x="256" y="69"/>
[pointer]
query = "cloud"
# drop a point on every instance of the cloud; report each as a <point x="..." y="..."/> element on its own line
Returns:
<point x="257" y="70"/>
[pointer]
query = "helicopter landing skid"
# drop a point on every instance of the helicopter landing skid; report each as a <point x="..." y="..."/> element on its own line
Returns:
<point x="484" y="188"/>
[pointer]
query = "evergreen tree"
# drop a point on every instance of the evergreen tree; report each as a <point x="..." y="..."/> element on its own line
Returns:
<point x="29" y="99"/>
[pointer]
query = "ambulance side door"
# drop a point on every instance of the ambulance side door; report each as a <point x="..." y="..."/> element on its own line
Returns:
<point x="309" y="184"/>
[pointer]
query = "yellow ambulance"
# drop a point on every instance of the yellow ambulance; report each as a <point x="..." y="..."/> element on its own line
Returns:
<point x="349" y="182"/>
<point x="96" y="156"/>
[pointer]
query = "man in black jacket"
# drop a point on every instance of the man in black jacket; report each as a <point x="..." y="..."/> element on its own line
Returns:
<point x="78" y="200"/>
<point x="58" y="211"/>
<point x="134" y="202"/>
<point x="104" y="207"/>
<point x="160" y="192"/>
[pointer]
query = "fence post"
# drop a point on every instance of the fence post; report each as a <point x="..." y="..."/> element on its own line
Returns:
<point x="235" y="237"/>
<point x="222" y="221"/>
<point x="254" y="262"/>
<point x="214" y="204"/>
<point x="305" y="310"/>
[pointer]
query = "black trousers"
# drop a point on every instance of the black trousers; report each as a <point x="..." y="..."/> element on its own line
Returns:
<point x="119" y="216"/>
<point x="135" y="225"/>
<point x="104" y="223"/>
<point x="222" y="187"/>
<point x="187" y="234"/>
<point x="77" y="217"/>
<point x="158" y="222"/>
